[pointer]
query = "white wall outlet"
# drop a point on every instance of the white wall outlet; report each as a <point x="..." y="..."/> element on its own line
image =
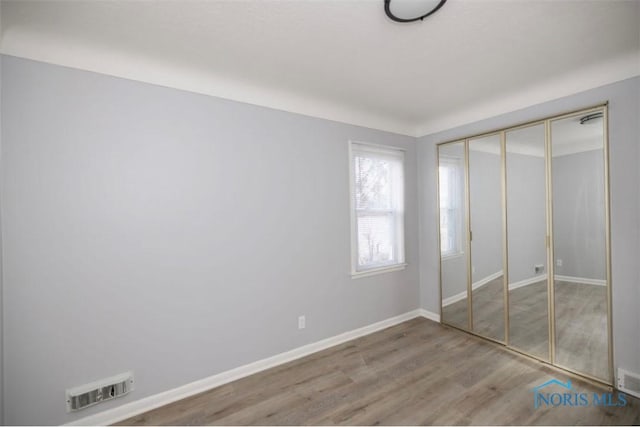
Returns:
<point x="473" y="269"/>
<point x="558" y="263"/>
<point x="538" y="268"/>
<point x="302" y="322"/>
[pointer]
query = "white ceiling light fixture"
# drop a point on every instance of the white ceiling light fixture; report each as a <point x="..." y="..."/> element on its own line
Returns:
<point x="411" y="10"/>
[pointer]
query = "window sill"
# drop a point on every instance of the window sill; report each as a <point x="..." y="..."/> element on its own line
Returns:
<point x="376" y="271"/>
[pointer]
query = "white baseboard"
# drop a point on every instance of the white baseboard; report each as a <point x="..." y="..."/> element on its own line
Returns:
<point x="527" y="282"/>
<point x="583" y="280"/>
<point x="429" y="315"/>
<point x="453" y="299"/>
<point x="480" y="283"/>
<point x="522" y="283"/>
<point x="145" y="404"/>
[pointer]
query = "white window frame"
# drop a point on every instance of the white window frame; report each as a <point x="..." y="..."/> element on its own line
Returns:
<point x="398" y="211"/>
<point x="458" y="250"/>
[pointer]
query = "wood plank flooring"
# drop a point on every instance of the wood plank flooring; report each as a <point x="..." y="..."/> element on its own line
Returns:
<point x="416" y="373"/>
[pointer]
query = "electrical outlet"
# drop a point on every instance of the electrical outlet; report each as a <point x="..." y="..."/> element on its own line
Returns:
<point x="538" y="268"/>
<point x="473" y="269"/>
<point x="559" y="263"/>
<point x="302" y="322"/>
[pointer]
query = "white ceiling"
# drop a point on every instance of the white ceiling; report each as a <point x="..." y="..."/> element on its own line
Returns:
<point x="343" y="59"/>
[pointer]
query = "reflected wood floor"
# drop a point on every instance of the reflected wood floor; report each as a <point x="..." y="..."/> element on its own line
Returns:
<point x="415" y="373"/>
<point x="581" y="321"/>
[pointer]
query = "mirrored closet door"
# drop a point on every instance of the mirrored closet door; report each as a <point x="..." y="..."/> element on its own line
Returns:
<point x="524" y="240"/>
<point x="453" y="230"/>
<point x="526" y="236"/>
<point x="579" y="243"/>
<point x="485" y="206"/>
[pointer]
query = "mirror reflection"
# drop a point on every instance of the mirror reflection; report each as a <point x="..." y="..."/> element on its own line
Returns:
<point x="526" y="239"/>
<point x="453" y="262"/>
<point x="545" y="185"/>
<point x="579" y="235"/>
<point x="485" y="198"/>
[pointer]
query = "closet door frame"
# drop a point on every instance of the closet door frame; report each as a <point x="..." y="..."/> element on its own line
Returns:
<point x="547" y="121"/>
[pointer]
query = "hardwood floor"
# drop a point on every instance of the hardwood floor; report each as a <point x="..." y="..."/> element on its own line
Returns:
<point x="582" y="330"/>
<point x="529" y="320"/>
<point x="416" y="373"/>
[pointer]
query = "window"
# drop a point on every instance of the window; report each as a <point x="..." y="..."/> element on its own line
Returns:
<point x="377" y="184"/>
<point x="451" y="214"/>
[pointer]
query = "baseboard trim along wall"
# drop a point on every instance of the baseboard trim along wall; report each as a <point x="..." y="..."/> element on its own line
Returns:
<point x="145" y="404"/>
<point x="570" y="279"/>
<point x="429" y="315"/>
<point x="583" y="280"/>
<point x="526" y="282"/>
<point x="462" y="295"/>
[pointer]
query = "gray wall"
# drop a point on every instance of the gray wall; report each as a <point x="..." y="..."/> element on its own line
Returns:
<point x="486" y="213"/>
<point x="526" y="215"/>
<point x="579" y="215"/>
<point x="1" y="278"/>
<point x="172" y="234"/>
<point x="454" y="275"/>
<point x="624" y="110"/>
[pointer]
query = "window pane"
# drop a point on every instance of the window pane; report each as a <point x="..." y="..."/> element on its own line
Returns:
<point x="450" y="173"/>
<point x="378" y="203"/>
<point x="447" y="231"/>
<point x="375" y="240"/>
<point x="373" y="183"/>
<point x="445" y="186"/>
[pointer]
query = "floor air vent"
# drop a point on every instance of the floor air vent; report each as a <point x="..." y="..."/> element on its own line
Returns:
<point x="629" y="382"/>
<point x="99" y="391"/>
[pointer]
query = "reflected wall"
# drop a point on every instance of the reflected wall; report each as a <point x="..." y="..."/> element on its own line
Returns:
<point x="526" y="236"/>
<point x="453" y="230"/>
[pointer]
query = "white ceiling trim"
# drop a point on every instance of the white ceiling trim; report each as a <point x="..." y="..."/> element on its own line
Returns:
<point x="71" y="53"/>
<point x="611" y="71"/>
